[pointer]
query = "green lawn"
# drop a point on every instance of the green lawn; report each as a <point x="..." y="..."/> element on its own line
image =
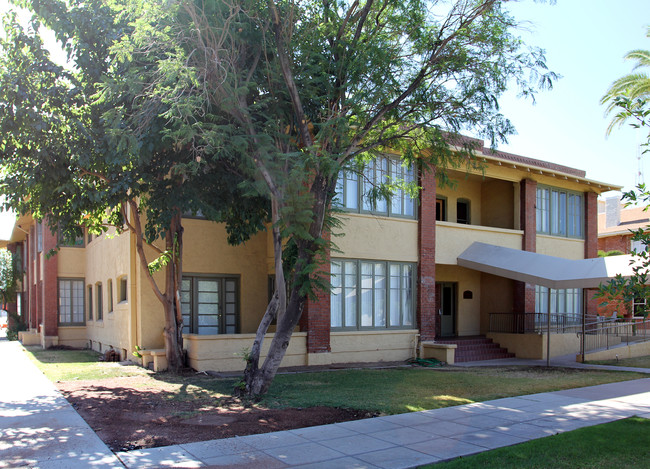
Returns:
<point x="388" y="391"/>
<point x="639" y="362"/>
<point x="70" y="365"/>
<point x="621" y="444"/>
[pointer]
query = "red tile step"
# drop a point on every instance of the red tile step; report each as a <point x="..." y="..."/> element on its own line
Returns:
<point x="476" y="348"/>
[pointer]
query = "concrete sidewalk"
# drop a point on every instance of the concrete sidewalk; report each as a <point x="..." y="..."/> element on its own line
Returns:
<point x="38" y="427"/>
<point x="409" y="440"/>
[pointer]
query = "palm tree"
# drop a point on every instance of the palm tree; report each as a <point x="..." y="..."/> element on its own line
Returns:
<point x="629" y="95"/>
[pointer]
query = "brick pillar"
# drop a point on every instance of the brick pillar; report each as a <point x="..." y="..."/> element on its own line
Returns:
<point x="50" y="315"/>
<point x="31" y="279"/>
<point x="524" y="293"/>
<point x="426" y="300"/>
<point x="315" y="319"/>
<point x="591" y="243"/>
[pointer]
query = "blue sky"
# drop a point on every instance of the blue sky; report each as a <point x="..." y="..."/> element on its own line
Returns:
<point x="585" y="41"/>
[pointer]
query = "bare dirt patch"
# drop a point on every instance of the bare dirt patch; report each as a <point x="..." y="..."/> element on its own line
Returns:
<point x="134" y="412"/>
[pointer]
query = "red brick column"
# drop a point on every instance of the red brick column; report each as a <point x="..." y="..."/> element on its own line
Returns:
<point x="11" y="306"/>
<point x="50" y="314"/>
<point x="426" y="290"/>
<point x="524" y="293"/>
<point x="31" y="279"/>
<point x="315" y="319"/>
<point x="591" y="242"/>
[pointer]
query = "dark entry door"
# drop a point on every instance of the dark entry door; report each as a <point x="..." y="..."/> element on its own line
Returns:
<point x="447" y="308"/>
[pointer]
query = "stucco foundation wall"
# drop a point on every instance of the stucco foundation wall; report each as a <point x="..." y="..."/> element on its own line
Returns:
<point x="374" y="237"/>
<point x="225" y="352"/>
<point x="626" y="351"/>
<point x="73" y="336"/>
<point x="373" y="346"/>
<point x="497" y="296"/>
<point x="533" y="346"/>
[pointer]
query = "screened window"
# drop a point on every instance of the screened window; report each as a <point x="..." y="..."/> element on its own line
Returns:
<point x="462" y="211"/>
<point x="110" y="295"/>
<point x="354" y="192"/>
<point x="71" y="301"/>
<point x="39" y="237"/>
<point x="90" y="302"/>
<point x="210" y="305"/>
<point x="559" y="212"/>
<point x="100" y="302"/>
<point x="441" y="209"/>
<point x="123" y="289"/>
<point x="371" y="294"/>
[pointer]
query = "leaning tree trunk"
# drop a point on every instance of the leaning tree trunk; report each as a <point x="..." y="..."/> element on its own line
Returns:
<point x="258" y="379"/>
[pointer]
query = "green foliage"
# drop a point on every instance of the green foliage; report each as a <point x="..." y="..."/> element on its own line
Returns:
<point x="614" y="252"/>
<point x="9" y="276"/>
<point x="136" y="353"/>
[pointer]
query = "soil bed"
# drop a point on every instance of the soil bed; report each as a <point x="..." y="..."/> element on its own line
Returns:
<point x="131" y="413"/>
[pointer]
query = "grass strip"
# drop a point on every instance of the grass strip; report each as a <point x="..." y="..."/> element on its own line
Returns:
<point x="621" y="444"/>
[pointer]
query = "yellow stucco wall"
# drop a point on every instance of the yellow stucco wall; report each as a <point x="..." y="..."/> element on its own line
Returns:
<point x="468" y="187"/>
<point x="452" y="239"/>
<point x="71" y="262"/>
<point x="373" y="237"/>
<point x="109" y="257"/>
<point x="568" y="248"/>
<point x="497" y="295"/>
<point x="73" y="336"/>
<point x="533" y="346"/>
<point x="373" y="346"/>
<point x="206" y="251"/>
<point x="468" y="319"/>
<point x="626" y="351"/>
<point x="225" y="352"/>
<point x="498" y="204"/>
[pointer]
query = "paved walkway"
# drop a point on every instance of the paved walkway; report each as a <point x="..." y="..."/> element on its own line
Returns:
<point x="39" y="429"/>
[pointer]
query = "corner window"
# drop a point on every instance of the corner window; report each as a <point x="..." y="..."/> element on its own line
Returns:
<point x="354" y="191"/>
<point x="71" y="301"/>
<point x="463" y="211"/>
<point x="559" y="212"/>
<point x="210" y="305"/>
<point x="372" y="294"/>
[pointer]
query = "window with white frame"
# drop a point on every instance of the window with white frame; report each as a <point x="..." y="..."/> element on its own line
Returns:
<point x="372" y="294"/>
<point x="559" y="212"/>
<point x="71" y="301"/>
<point x="354" y="191"/>
<point x="566" y="302"/>
<point x="638" y="246"/>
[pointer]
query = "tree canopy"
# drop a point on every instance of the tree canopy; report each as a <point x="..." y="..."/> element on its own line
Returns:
<point x="284" y="94"/>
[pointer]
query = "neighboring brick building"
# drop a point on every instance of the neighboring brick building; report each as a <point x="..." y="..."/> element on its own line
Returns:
<point x="395" y="276"/>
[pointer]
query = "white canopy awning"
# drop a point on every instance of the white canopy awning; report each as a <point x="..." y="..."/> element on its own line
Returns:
<point x="540" y="269"/>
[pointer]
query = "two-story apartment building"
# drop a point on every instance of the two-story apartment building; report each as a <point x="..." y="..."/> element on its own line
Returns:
<point x="396" y="279"/>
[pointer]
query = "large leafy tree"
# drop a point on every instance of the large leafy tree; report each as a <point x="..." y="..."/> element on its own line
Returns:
<point x="303" y="89"/>
<point x="73" y="157"/>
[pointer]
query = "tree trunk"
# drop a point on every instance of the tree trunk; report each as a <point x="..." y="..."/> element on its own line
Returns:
<point x="258" y="380"/>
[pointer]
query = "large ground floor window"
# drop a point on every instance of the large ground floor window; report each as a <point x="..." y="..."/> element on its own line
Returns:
<point x="566" y="302"/>
<point x="71" y="301"/>
<point x="372" y="294"/>
<point x="210" y="305"/>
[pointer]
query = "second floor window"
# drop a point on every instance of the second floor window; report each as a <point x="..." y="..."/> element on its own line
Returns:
<point x="559" y="212"/>
<point x="354" y="191"/>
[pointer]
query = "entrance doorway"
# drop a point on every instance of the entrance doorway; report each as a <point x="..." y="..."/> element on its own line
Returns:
<point x="447" y="308"/>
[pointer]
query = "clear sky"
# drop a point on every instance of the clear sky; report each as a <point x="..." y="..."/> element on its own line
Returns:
<point x="585" y="41"/>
